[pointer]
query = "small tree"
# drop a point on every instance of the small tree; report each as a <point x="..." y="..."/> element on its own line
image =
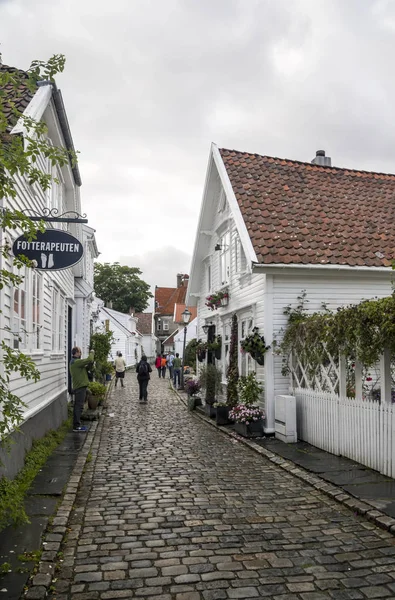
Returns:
<point x="211" y="380"/>
<point x="101" y="344"/>
<point x="233" y="368"/>
<point x="122" y="286"/>
<point x="190" y="353"/>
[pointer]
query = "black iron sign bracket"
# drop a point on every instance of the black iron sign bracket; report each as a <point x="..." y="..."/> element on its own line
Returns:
<point x="51" y="215"/>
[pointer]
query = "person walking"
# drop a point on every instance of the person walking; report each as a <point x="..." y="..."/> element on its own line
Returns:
<point x="120" y="368"/>
<point x="79" y="382"/>
<point x="143" y="370"/>
<point x="158" y="364"/>
<point x="177" y="364"/>
<point x="170" y="360"/>
<point x="163" y="365"/>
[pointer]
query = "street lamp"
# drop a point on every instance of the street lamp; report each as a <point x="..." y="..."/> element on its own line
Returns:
<point x="186" y="315"/>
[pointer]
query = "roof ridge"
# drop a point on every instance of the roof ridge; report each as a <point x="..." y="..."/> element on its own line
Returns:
<point x="310" y="164"/>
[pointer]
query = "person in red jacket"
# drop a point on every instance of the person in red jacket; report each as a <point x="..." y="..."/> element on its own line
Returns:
<point x="158" y="364"/>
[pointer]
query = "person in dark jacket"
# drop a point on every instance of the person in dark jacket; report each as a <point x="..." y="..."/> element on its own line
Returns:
<point x="143" y="370"/>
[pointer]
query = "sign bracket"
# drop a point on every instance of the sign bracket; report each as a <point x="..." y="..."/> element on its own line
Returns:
<point x="51" y="215"/>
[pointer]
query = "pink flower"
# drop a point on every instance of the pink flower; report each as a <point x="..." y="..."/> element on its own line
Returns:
<point x="368" y="378"/>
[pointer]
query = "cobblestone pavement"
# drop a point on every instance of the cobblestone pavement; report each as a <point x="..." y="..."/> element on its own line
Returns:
<point x="172" y="509"/>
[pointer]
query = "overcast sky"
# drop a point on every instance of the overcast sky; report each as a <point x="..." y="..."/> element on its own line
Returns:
<point x="149" y="84"/>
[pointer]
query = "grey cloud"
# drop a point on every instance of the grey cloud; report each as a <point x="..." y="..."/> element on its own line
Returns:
<point x="149" y="84"/>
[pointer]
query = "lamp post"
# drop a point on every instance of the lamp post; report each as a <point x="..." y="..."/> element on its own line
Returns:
<point x="186" y="315"/>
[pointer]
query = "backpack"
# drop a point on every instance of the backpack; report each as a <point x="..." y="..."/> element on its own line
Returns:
<point x="143" y="369"/>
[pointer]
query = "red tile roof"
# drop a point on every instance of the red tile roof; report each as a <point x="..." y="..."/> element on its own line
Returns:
<point x="166" y="298"/>
<point x="301" y="213"/>
<point x="179" y="308"/>
<point x="144" y="323"/>
<point x="19" y="96"/>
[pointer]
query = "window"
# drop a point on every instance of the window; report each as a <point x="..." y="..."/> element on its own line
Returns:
<point x="240" y="259"/>
<point x="19" y="325"/>
<point x="227" y="329"/>
<point x="35" y="330"/>
<point x="57" y="321"/>
<point x="225" y="258"/>
<point x="209" y="278"/>
<point x="159" y="325"/>
<point x="246" y="362"/>
<point x="165" y="326"/>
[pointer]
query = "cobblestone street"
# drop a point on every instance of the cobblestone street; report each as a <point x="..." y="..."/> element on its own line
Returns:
<point x="171" y="509"/>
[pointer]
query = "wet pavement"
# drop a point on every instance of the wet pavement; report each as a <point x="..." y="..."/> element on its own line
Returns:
<point x="172" y="509"/>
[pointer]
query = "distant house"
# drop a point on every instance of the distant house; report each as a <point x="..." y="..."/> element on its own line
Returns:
<point x="127" y="338"/>
<point x="164" y="301"/>
<point x="145" y="328"/>
<point x="191" y="332"/>
<point x="270" y="228"/>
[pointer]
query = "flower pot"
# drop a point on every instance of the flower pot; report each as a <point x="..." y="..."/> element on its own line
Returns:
<point x="222" y="416"/>
<point x="198" y="401"/>
<point x="260" y="359"/>
<point x="108" y="377"/>
<point x="217" y="354"/>
<point x="210" y="411"/>
<point x="93" y="401"/>
<point x="201" y="355"/>
<point x="254" y="429"/>
<point x="224" y="301"/>
<point x="191" y="402"/>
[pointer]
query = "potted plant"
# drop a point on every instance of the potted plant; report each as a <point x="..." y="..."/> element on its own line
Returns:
<point x="248" y="420"/>
<point x="210" y="380"/>
<point x="96" y="394"/>
<point x="201" y="348"/>
<point x="192" y="388"/>
<point x="249" y="389"/>
<point x="216" y="347"/>
<point x="217" y="299"/>
<point x="108" y="370"/>
<point x="222" y="413"/>
<point x="255" y="345"/>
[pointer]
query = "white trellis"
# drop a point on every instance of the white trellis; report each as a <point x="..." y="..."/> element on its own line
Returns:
<point x="361" y="428"/>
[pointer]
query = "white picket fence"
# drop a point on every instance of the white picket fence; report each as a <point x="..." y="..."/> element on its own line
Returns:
<point x="360" y="429"/>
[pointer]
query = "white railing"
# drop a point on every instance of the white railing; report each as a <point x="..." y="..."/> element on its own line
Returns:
<point x="360" y="429"/>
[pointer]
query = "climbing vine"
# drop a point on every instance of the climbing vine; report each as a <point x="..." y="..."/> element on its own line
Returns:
<point x="360" y="331"/>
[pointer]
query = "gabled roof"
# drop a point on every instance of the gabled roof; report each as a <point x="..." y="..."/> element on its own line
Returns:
<point x="144" y="322"/>
<point x="302" y="213"/>
<point x="20" y="97"/>
<point x="170" y="338"/>
<point x="166" y="298"/>
<point x="116" y="318"/>
<point x="179" y="308"/>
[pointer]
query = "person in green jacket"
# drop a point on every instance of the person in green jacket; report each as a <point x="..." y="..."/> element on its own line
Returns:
<point x="79" y="383"/>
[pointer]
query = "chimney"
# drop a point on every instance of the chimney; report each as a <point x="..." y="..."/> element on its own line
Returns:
<point x="179" y="279"/>
<point x="109" y="304"/>
<point x="185" y="280"/>
<point x="321" y="159"/>
<point x="131" y="311"/>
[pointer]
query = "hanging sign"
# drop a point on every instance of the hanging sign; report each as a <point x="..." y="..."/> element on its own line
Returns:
<point x="52" y="250"/>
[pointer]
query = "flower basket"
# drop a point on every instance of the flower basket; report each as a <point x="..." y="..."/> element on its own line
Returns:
<point x="248" y="420"/>
<point x="201" y="355"/>
<point x="253" y="430"/>
<point x="217" y="299"/>
<point x="255" y="345"/>
<point x="222" y="414"/>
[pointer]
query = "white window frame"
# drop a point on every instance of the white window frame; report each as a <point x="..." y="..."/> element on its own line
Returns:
<point x="19" y="317"/>
<point x="165" y="325"/>
<point x="224" y="258"/>
<point x="247" y="363"/>
<point x="58" y="312"/>
<point x="209" y="277"/>
<point x="35" y="326"/>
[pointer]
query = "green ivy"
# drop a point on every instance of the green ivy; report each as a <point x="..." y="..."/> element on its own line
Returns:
<point x="13" y="492"/>
<point x="359" y="331"/>
<point x="232" y="373"/>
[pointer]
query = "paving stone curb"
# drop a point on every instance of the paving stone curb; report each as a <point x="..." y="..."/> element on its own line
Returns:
<point x="357" y="506"/>
<point x="42" y="581"/>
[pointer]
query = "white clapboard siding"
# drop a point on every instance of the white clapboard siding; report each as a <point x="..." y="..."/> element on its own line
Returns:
<point x="334" y="287"/>
<point x="360" y="429"/>
<point x="246" y="290"/>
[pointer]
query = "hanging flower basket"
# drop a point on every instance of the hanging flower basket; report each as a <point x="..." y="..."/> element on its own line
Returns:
<point x="217" y="299"/>
<point x="255" y="345"/>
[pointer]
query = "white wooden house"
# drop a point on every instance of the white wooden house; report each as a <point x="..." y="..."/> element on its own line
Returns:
<point x="145" y="326"/>
<point x="270" y="228"/>
<point x="49" y="311"/>
<point x="127" y="339"/>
